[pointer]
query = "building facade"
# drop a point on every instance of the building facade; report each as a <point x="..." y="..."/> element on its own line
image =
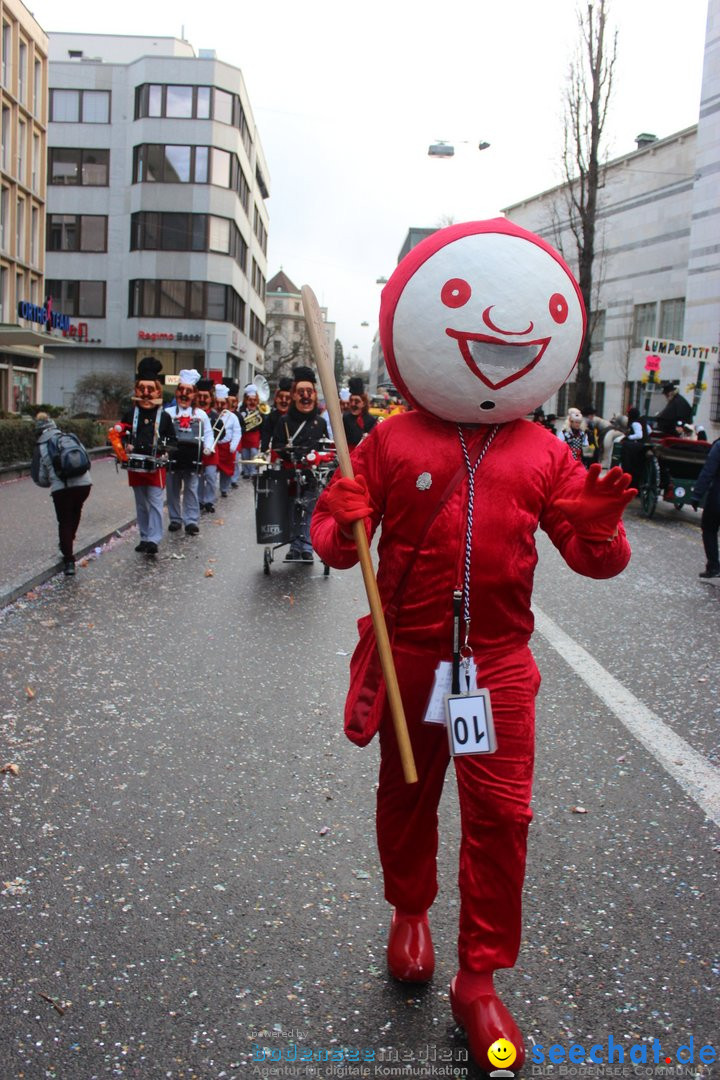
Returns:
<point x="23" y="91"/>
<point x="156" y="220"/>
<point x="657" y="267"/>
<point x="288" y="343"/>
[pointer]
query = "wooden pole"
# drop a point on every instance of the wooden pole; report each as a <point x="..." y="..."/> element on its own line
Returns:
<point x="318" y="340"/>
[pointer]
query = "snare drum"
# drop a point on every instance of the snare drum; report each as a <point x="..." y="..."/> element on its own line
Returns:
<point x="143" y="463"/>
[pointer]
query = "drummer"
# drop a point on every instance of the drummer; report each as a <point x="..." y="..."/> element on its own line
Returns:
<point x="280" y="406"/>
<point x="193" y="442"/>
<point x="229" y="441"/>
<point x="358" y="421"/>
<point x="147" y="428"/>
<point x="301" y="429"/>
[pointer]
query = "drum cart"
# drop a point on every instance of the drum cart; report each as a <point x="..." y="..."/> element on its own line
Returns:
<point x="287" y="484"/>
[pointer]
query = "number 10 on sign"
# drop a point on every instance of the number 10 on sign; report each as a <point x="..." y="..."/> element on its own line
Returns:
<point x="470" y="723"/>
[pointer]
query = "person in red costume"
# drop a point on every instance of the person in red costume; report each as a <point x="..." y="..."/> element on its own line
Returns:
<point x="478" y="323"/>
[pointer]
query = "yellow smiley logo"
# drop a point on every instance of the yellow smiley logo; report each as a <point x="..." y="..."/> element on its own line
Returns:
<point x="502" y="1053"/>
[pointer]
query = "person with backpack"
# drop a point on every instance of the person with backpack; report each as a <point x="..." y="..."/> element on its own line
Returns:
<point x="60" y="462"/>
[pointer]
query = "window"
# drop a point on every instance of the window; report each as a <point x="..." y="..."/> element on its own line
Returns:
<point x="20" y="230"/>
<point x="22" y="152"/>
<point x="155" y="231"/>
<point x="4" y="301"/>
<point x="192" y="102"/>
<point x="22" y="71"/>
<point x="256" y="329"/>
<point x="88" y="168"/>
<point x="37" y="89"/>
<point x="223" y="107"/>
<point x="82" y="299"/>
<point x="597" y="331"/>
<point x="220" y="169"/>
<point x="672" y="319"/>
<point x="174" y="164"/>
<point x="171" y="299"/>
<point x="65" y="106"/>
<point x="76" y="232"/>
<point x="179" y="101"/>
<point x="5" y="139"/>
<point x="259" y="230"/>
<point x="644" y="318"/>
<point x="258" y="281"/>
<point x="35" y="236"/>
<point x="35" y="176"/>
<point x="80" y="106"/>
<point x="4" y="218"/>
<point x="6" y="54"/>
<point x="219" y="234"/>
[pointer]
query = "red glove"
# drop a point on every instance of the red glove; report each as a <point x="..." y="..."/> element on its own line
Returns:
<point x="348" y="500"/>
<point x="596" y="512"/>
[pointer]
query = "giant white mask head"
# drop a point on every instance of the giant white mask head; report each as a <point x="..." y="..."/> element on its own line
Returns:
<point x="481" y="322"/>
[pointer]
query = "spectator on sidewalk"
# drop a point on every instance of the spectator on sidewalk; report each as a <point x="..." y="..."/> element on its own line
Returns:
<point x="68" y="496"/>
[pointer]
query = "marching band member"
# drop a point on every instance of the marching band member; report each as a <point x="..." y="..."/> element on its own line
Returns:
<point x="281" y="404"/>
<point x="357" y="420"/>
<point x="477" y="323"/>
<point x="251" y="421"/>
<point x="302" y="428"/>
<point x="229" y="441"/>
<point x="147" y="428"/>
<point x="233" y="404"/>
<point x="208" y="478"/>
<point x="193" y="442"/>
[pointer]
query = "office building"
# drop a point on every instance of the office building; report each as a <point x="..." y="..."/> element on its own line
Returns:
<point x="156" y="220"/>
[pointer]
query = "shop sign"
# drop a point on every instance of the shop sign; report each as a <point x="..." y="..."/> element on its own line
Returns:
<point x="45" y="316"/>
<point x="163" y="335"/>
<point x="681" y="348"/>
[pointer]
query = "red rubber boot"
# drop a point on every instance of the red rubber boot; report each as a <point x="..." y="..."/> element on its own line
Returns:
<point x="487" y="1022"/>
<point x="410" y="953"/>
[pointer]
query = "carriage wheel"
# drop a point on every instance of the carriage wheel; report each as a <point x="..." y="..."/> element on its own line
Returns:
<point x="267" y="559"/>
<point x="650" y="486"/>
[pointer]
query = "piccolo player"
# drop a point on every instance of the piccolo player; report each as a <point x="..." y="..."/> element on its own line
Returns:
<point x="478" y="323"/>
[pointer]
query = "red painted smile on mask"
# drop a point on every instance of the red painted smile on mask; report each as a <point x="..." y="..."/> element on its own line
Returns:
<point x="483" y="351"/>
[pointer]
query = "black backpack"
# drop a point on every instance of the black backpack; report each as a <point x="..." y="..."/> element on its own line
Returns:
<point x="68" y="456"/>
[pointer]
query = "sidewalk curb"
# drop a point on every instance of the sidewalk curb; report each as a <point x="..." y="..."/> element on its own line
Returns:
<point x="15" y="590"/>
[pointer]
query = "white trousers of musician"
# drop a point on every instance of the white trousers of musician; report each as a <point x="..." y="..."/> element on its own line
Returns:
<point x="182" y="497"/>
<point x="207" y="485"/>
<point x="149" y="503"/>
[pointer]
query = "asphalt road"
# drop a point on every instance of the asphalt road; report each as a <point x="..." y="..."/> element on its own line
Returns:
<point x="189" y="880"/>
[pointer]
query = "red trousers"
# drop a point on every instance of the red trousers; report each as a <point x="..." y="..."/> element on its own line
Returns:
<point x="494" y="792"/>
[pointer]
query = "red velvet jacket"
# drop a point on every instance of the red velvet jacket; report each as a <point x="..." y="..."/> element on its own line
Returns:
<point x="525" y="471"/>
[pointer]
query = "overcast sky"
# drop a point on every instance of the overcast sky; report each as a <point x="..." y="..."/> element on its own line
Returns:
<point x="347" y="99"/>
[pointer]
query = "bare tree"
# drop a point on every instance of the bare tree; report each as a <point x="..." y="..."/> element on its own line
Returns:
<point x="290" y="352"/>
<point x="587" y="98"/>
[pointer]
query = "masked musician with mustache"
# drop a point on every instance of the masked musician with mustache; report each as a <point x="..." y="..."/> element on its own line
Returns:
<point x="147" y="429"/>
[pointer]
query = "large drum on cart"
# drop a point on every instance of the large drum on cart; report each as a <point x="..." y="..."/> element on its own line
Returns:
<point x="272" y="507"/>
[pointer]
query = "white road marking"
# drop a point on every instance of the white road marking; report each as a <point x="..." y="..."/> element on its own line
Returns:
<point x="694" y="773"/>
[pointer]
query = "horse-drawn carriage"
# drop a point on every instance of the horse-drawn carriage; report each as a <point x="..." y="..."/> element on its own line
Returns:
<point x="663" y="467"/>
<point x="287" y="487"/>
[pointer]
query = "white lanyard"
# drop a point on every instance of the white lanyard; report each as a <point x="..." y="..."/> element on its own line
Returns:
<point x="465" y="652"/>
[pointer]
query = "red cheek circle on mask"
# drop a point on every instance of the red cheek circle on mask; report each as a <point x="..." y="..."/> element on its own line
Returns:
<point x="425" y="250"/>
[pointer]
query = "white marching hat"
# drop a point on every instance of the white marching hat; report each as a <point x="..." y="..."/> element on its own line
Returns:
<point x="190" y="376"/>
<point x="251" y="388"/>
<point x="221" y="392"/>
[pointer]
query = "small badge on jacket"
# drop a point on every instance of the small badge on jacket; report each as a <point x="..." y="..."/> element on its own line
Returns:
<point x="423" y="481"/>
